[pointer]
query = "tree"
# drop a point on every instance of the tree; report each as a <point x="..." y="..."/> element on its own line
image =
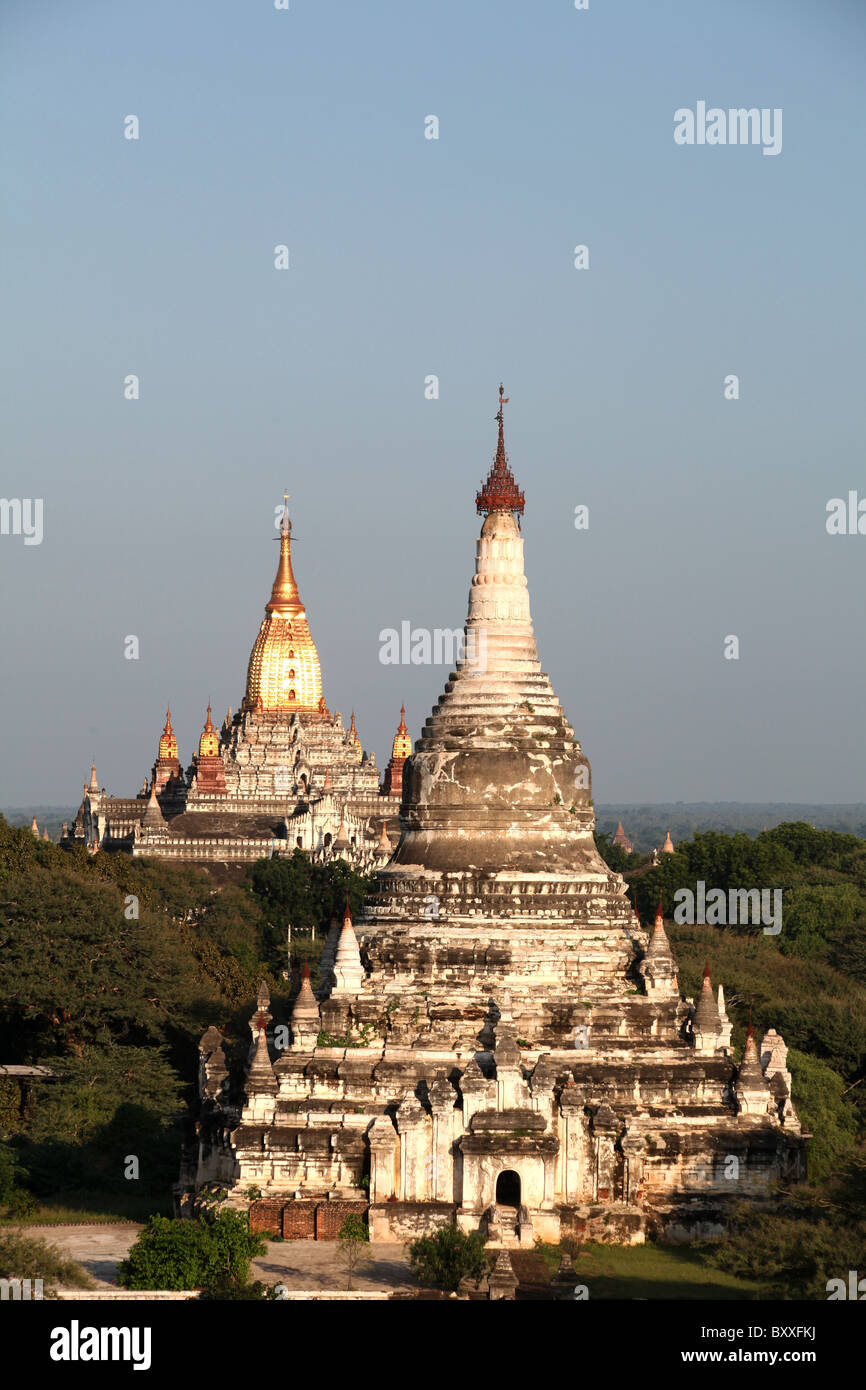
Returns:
<point x="810" y="1237"/>
<point x="353" y="1250"/>
<point x="440" y="1261"/>
<point x="101" y="1108"/>
<point x="825" y="1111"/>
<point x="306" y="895"/>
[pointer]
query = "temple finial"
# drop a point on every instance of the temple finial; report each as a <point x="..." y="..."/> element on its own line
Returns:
<point x="500" y="492"/>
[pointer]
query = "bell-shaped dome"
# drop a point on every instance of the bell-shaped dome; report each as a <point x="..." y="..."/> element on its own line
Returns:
<point x="284" y="672"/>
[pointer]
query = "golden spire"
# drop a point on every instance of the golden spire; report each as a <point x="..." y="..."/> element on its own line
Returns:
<point x="285" y="598"/>
<point x="284" y="672"/>
<point x="402" y="745"/>
<point x="209" y="743"/>
<point x="167" y="742"/>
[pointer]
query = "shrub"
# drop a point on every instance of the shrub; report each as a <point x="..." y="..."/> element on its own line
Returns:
<point x="440" y="1261"/>
<point x="27" y="1257"/>
<point x="177" y="1254"/>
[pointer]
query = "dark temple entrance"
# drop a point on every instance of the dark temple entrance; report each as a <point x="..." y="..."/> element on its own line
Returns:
<point x="508" y="1189"/>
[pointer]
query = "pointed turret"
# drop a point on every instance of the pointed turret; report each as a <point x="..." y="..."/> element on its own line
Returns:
<point x="167" y="739"/>
<point x="261" y="1083"/>
<point x="752" y="1089"/>
<point x="384" y="848"/>
<point x="209" y="742"/>
<point x="153" y="819"/>
<point x="34" y="829"/>
<point x="502" y="1281"/>
<point x="668" y="846"/>
<point x="352" y="736"/>
<point x="500" y="492"/>
<point x="167" y="771"/>
<point x="348" y="970"/>
<point x="304" y="1017"/>
<point x="341" y="842"/>
<point x="94" y="783"/>
<point x="658" y="967"/>
<point x="401" y="749"/>
<point x="208" y="765"/>
<point x="706" y="1024"/>
<point x="260" y="1077"/>
<point x="621" y="839"/>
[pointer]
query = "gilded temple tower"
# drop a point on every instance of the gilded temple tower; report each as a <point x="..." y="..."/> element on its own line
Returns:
<point x="284" y="671"/>
<point x="283" y="773"/>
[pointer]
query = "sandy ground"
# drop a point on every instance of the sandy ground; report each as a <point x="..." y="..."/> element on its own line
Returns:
<point x="299" y="1264"/>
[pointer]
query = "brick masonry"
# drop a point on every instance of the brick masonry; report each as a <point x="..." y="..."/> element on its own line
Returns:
<point x="302" y="1220"/>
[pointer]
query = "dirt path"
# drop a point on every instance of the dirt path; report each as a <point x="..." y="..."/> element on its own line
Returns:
<point x="299" y="1264"/>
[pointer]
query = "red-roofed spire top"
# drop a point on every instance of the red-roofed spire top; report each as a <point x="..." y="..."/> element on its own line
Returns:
<point x="500" y="492"/>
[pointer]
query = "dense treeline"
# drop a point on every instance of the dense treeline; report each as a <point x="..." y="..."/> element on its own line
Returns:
<point x="647" y="823"/>
<point x="808" y="980"/>
<point x="110" y="970"/>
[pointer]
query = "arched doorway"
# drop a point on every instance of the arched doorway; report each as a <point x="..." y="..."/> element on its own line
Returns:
<point x="508" y="1189"/>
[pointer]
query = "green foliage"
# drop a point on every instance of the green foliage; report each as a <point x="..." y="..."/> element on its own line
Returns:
<point x="440" y="1261"/>
<point x="11" y="1173"/>
<point x="614" y="856"/>
<point x="353" y="1248"/>
<point x="825" y="1112"/>
<point x="354" y="1228"/>
<point x="113" y="1005"/>
<point x="809" y="982"/>
<point x="172" y="1254"/>
<point x="293" y="890"/>
<point x="106" y="1105"/>
<point x="814" y="1235"/>
<point x="26" y="1257"/>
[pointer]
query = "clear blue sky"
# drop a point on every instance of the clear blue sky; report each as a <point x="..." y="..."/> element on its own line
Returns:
<point x="409" y="257"/>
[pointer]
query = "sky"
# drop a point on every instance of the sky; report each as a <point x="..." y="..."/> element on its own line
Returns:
<point x="454" y="257"/>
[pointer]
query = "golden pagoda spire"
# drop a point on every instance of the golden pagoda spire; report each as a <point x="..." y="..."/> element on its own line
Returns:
<point x="209" y="743"/>
<point x="284" y="672"/>
<point x="354" y="737"/>
<point x="285" y="598"/>
<point x="402" y="745"/>
<point x="167" y="741"/>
